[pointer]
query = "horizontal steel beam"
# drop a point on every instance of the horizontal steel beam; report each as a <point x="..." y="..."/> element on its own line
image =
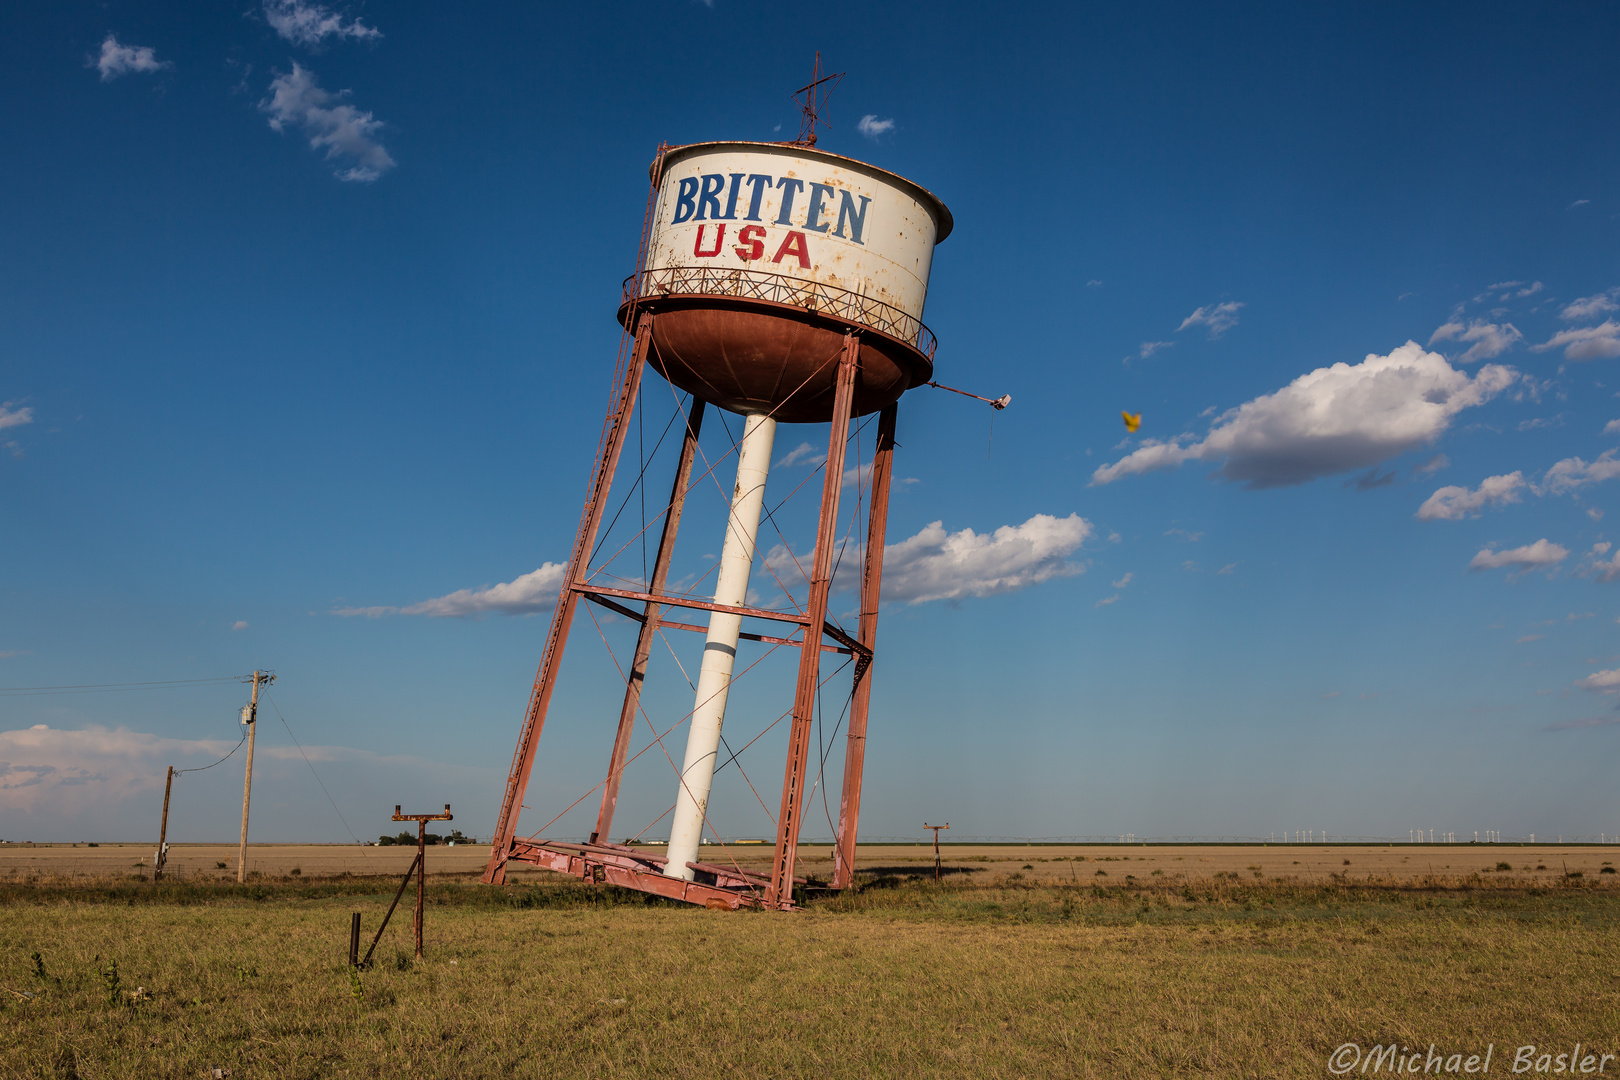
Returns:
<point x="682" y="601"/>
<point x="603" y="601"/>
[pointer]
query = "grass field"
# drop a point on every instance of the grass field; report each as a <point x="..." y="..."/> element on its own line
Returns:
<point x="1023" y="969"/>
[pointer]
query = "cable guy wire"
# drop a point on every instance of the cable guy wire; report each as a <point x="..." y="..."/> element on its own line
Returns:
<point x="313" y="773"/>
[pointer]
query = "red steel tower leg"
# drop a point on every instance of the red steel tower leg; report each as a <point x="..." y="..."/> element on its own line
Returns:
<point x="849" y="808"/>
<point x="649" y="627"/>
<point x="779" y="893"/>
<point x="545" y="680"/>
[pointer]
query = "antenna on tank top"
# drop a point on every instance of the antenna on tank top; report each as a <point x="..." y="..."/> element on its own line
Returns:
<point x="808" y="96"/>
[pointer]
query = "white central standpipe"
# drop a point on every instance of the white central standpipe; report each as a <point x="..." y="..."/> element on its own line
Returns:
<point x="720" y="649"/>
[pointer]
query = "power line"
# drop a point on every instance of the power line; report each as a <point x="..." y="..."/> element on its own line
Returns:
<point x="110" y="688"/>
<point x="315" y="774"/>
<point x="222" y="760"/>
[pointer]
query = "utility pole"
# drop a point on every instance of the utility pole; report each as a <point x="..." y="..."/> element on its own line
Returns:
<point x="163" y="831"/>
<point x="936" y="829"/>
<point x="420" y="865"/>
<point x="250" y="713"/>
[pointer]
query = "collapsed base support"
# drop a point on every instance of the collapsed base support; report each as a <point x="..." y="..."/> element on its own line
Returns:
<point x="716" y="887"/>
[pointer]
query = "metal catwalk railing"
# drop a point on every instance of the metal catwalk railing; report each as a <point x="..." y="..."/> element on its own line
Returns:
<point x="781" y="289"/>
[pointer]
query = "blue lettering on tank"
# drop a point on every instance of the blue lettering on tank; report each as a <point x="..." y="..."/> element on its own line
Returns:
<point x="812" y="216"/>
<point x="790" y="187"/>
<point x="731" y="196"/>
<point x="684" y="206"/>
<point x="760" y="183"/>
<point x="709" y="196"/>
<point x="856" y="220"/>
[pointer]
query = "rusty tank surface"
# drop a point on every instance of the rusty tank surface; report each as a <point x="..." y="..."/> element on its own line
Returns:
<point x="762" y="256"/>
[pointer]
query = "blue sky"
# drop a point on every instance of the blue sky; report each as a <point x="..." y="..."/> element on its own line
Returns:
<point x="309" y="310"/>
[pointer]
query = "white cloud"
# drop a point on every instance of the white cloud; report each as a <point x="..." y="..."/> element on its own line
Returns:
<point x="116" y="60"/>
<point x="1329" y="421"/>
<point x="1573" y="473"/>
<point x="1601" y="682"/>
<point x="1586" y="722"/>
<point x="1218" y="317"/>
<point x="1600" y="342"/>
<point x="1527" y="558"/>
<point x="1124" y="581"/>
<point x="1105" y="601"/>
<point x="10" y="417"/>
<point x="932" y="565"/>
<point x="1590" y="307"/>
<point x="873" y="128"/>
<point x="36" y="762"/>
<point x="1229" y="568"/>
<point x="1531" y="290"/>
<point x="1612" y="427"/>
<point x="239" y="624"/>
<point x="936" y="565"/>
<point x="1455" y="503"/>
<point x="1151" y="347"/>
<point x="1597" y="566"/>
<point x="532" y="592"/>
<point x="1433" y="465"/>
<point x="97" y="778"/>
<point x="309" y="24"/>
<point x="1577" y="202"/>
<point x="803" y="453"/>
<point x="1489" y="340"/>
<point x="348" y="135"/>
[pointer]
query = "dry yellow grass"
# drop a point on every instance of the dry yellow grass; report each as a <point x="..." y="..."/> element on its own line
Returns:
<point x="1207" y="976"/>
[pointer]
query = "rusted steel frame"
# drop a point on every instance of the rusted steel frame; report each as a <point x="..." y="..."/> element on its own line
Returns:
<point x="649" y="622"/>
<point x="851" y="645"/>
<point x="414" y="863"/>
<point x="630" y="877"/>
<point x="631" y="858"/>
<point x="780" y="892"/>
<point x="849" y="807"/>
<point x="703" y="605"/>
<point x="562" y="618"/>
<point x="780" y="289"/>
<point x="620" y="609"/>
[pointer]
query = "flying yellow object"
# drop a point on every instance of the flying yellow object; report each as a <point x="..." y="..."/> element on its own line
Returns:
<point x="1132" y="421"/>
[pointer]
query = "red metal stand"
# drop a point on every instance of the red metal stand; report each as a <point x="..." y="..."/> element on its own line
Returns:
<point x="722" y="887"/>
<point x="534" y="721"/>
<point x="788" y="821"/>
<point x="849" y="809"/>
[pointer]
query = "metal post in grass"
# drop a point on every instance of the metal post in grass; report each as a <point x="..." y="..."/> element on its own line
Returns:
<point x="936" y="829"/>
<point x="162" y="855"/>
<point x="421" y="860"/>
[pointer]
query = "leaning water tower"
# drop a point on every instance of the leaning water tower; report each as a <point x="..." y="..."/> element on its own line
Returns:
<point x="786" y="285"/>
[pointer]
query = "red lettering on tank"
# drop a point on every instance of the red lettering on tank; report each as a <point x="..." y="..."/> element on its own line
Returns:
<point x="795" y="244"/>
<point x="751" y="247"/>
<point x="719" y="238"/>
